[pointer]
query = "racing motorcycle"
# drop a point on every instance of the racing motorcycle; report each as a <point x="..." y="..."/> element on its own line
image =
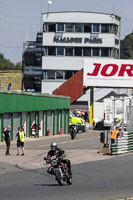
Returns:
<point x="60" y="170"/>
<point x="73" y="131"/>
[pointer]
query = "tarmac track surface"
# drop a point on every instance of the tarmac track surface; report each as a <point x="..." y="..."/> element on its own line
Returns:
<point x="98" y="180"/>
<point x="105" y="179"/>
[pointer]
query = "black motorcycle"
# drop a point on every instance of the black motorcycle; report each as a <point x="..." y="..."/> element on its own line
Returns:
<point x="73" y="131"/>
<point x="60" y="170"/>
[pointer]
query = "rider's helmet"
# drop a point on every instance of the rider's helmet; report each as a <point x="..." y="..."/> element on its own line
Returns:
<point x="53" y="146"/>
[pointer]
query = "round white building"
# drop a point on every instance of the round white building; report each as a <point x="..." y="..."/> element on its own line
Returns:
<point x="69" y="37"/>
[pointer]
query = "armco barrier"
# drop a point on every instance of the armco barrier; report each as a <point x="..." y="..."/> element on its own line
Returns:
<point x="124" y="144"/>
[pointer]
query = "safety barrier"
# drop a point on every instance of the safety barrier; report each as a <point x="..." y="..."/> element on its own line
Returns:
<point x="124" y="144"/>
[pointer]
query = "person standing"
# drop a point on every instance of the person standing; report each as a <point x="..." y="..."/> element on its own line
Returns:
<point x="20" y="141"/>
<point x="115" y="134"/>
<point x="7" y="136"/>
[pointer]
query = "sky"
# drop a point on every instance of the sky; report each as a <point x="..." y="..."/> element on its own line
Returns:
<point x="20" y="20"/>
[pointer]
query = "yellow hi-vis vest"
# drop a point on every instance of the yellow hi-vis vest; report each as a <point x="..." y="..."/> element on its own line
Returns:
<point x="21" y="136"/>
<point x="114" y="134"/>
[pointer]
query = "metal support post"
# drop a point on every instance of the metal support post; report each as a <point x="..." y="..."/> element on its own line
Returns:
<point x="91" y="106"/>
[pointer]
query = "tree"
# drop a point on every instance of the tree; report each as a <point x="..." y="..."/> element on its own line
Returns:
<point x="6" y="64"/>
<point x="127" y="47"/>
<point x="18" y="66"/>
<point x="1" y="55"/>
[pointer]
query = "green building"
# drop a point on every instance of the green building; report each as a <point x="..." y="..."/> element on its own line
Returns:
<point x="50" y="113"/>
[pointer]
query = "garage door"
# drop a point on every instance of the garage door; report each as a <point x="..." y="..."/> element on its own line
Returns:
<point x="7" y="119"/>
<point x="0" y="128"/>
<point x="55" y="121"/>
<point x="50" y="122"/>
<point x="63" y="121"/>
<point x="67" y="121"/>
<point x="16" y="124"/>
<point x="41" y="121"/>
<point x="60" y="120"/>
<point x="24" y="121"/>
<point x="33" y="118"/>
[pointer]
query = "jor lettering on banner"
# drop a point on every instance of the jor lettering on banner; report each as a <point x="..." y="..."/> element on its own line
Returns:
<point x="99" y="72"/>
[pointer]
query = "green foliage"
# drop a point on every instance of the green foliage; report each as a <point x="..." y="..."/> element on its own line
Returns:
<point x="18" y="66"/>
<point x="127" y="47"/>
<point x="6" y="64"/>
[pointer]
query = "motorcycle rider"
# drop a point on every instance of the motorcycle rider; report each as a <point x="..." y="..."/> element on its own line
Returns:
<point x="60" y="153"/>
<point x="73" y="130"/>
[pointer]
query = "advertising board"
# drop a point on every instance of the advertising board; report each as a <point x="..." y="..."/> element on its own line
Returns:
<point x="108" y="72"/>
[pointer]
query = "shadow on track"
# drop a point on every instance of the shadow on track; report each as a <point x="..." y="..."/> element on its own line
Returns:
<point x="47" y="185"/>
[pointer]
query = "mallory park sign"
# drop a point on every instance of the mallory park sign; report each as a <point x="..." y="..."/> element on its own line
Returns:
<point x="113" y="73"/>
<point x="77" y="40"/>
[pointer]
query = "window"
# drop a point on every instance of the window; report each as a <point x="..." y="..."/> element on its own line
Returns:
<point x="116" y="42"/>
<point x="60" y="27"/>
<point x="51" y="27"/>
<point x="86" y="51"/>
<point x="60" y="51"/>
<point x="69" y="51"/>
<point x="70" y="28"/>
<point x="44" y="74"/>
<point x="74" y="72"/>
<point x="45" y="28"/>
<point x="95" y="51"/>
<point x="51" y="51"/>
<point x="68" y="74"/>
<point x="59" y="74"/>
<point x="87" y="28"/>
<point x="45" y="52"/>
<point x="78" y="28"/>
<point x="96" y="28"/>
<point x="78" y="51"/>
<point x="29" y="59"/>
<point x="115" y="29"/>
<point x="50" y="74"/>
<point x="38" y="59"/>
<point x="105" y="28"/>
<point x="104" y="52"/>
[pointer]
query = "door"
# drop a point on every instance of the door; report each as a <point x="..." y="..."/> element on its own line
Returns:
<point x="33" y="118"/>
<point x="41" y="122"/>
<point x="24" y="122"/>
<point x="16" y="124"/>
<point x="7" y="119"/>
<point x="63" y="121"/>
<point x="50" y="121"/>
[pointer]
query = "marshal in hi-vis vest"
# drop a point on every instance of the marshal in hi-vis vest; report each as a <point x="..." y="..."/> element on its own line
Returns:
<point x="21" y="136"/>
<point x="114" y="134"/>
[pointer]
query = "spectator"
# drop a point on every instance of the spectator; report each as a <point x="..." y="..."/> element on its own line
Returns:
<point x="33" y="130"/>
<point x="20" y="141"/>
<point x="7" y="136"/>
<point x="86" y="117"/>
<point x="78" y="113"/>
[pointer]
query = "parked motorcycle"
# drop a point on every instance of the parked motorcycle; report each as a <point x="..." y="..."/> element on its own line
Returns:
<point x="60" y="170"/>
<point x="73" y="131"/>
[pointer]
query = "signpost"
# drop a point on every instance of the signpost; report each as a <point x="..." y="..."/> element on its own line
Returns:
<point x="107" y="73"/>
<point x="116" y="73"/>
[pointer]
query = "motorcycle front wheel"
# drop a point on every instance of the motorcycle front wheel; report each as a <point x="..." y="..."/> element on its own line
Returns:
<point x="69" y="181"/>
<point x="59" y="178"/>
<point x="73" y="135"/>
